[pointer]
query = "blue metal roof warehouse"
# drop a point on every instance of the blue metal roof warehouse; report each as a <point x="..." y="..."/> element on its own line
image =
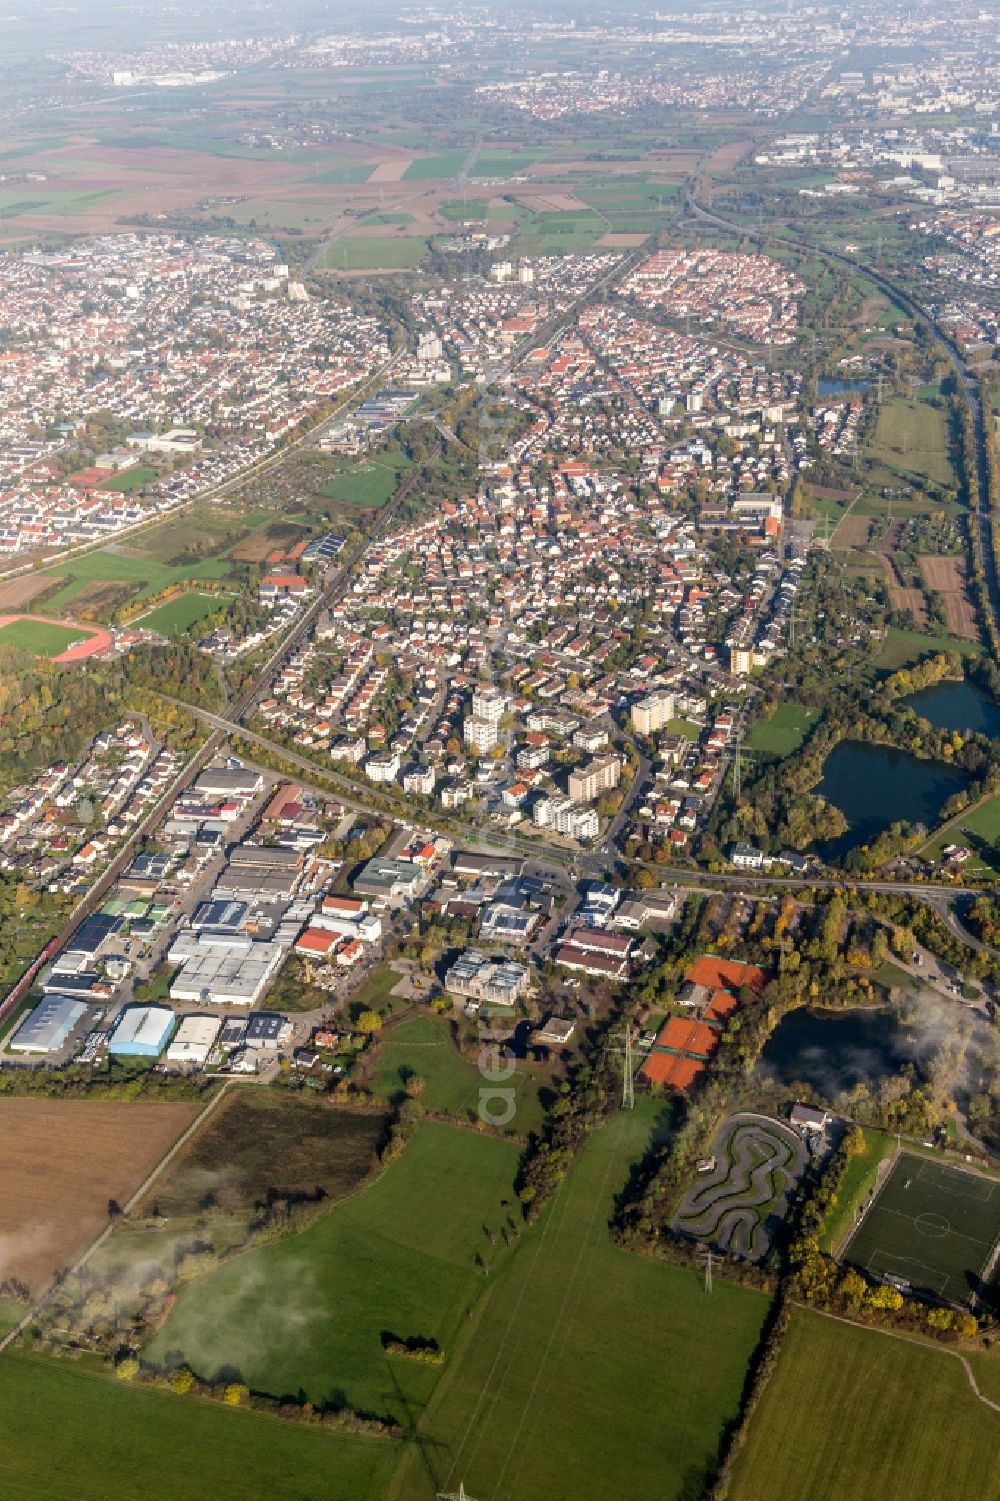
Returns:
<point x="141" y="1032"/>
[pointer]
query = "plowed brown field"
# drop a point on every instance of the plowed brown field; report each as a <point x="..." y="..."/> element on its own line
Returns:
<point x="63" y="1160"/>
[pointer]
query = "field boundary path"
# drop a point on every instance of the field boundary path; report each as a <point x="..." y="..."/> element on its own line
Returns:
<point x="908" y="1339"/>
<point x="133" y="1199"/>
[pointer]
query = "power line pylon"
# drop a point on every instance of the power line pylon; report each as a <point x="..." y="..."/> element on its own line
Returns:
<point x="628" y="1084"/>
<point x="708" y="1268"/>
<point x="460" y="1495"/>
<point x="738" y="758"/>
<point x="628" y="1081"/>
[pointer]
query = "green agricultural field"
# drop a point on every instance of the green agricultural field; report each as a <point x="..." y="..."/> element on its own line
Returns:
<point x="562" y="233"/>
<point x="147" y="575"/>
<point x="154" y="1446"/>
<point x="904" y="648"/>
<point x="130" y="479"/>
<point x="851" y="1413"/>
<point x="453" y="1085"/>
<point x="913" y="436"/>
<point x="503" y="163"/>
<point x="783" y="733"/>
<point x="371" y="483"/>
<point x="460" y="209"/>
<point x="436" y="168"/>
<point x="177" y="616"/>
<point x="626" y="194"/>
<point x="376" y="253"/>
<point x="401" y="1256"/>
<point x="347" y="174"/>
<point x="39" y="637"/>
<point x="585" y="1364"/>
<point x="36" y="198"/>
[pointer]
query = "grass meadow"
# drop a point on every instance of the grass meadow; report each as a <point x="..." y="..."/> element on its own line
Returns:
<point x="73" y="1434"/>
<point x="452" y="1083"/>
<point x="146" y="575"/>
<point x="852" y="1413"/>
<point x="376" y="253"/>
<point x="783" y="733"/>
<point x="587" y="1369"/>
<point x="913" y="436"/>
<point x="308" y="1312"/>
<point x="904" y="648"/>
<point x="370" y="484"/>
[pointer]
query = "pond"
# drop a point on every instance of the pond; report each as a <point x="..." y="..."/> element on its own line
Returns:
<point x="825" y="387"/>
<point x="875" y="786"/>
<point x="957" y="705"/>
<point x="832" y="1051"/>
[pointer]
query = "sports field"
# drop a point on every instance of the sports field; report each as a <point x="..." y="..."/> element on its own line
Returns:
<point x="39" y="637"/>
<point x="130" y="479"/>
<point x="178" y="615"/>
<point x="851" y="1413"/>
<point x="785" y="730"/>
<point x="153" y="1446"/>
<point x="931" y="1225"/>
<point x="587" y="1370"/>
<point x="309" y="1311"/>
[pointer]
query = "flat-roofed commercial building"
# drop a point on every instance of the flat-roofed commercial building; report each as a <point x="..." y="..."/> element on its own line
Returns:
<point x="141" y="1032"/>
<point x="46" y="1028"/>
<point x="194" y="1039"/>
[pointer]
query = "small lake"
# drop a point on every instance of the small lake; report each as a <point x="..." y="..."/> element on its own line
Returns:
<point x="875" y="786"/>
<point x="832" y="1051"/>
<point x="957" y="706"/>
<point x="826" y="387"/>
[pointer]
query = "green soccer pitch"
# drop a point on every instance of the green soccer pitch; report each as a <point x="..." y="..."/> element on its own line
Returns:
<point x="932" y="1226"/>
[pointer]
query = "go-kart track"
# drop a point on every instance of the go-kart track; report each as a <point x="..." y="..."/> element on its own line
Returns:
<point x="737" y="1206"/>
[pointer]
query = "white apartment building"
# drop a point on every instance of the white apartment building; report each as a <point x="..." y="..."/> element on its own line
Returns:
<point x="652" y="712"/>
